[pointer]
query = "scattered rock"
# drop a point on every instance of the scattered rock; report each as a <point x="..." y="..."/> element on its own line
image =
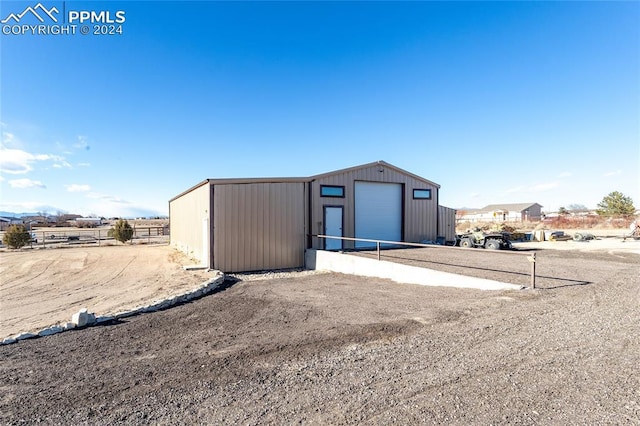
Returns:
<point x="23" y="336"/>
<point x="105" y="318"/>
<point x="83" y="318"/>
<point x="51" y="330"/>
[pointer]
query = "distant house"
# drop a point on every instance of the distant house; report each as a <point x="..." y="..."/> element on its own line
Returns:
<point x="88" y="222"/>
<point x="67" y="217"/>
<point x="517" y="212"/>
<point x="39" y="220"/>
<point x="5" y="222"/>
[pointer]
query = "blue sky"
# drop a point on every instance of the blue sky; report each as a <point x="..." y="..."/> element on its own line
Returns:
<point x="495" y="101"/>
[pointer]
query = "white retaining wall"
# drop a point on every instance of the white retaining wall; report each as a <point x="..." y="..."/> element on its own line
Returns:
<point x="357" y="265"/>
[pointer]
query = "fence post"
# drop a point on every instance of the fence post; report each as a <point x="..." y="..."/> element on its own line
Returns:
<point x="532" y="259"/>
<point x="378" y="248"/>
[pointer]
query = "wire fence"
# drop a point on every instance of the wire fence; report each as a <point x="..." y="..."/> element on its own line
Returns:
<point x="56" y="238"/>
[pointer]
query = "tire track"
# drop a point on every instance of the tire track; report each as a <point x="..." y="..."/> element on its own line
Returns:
<point x="122" y="270"/>
<point x="39" y="274"/>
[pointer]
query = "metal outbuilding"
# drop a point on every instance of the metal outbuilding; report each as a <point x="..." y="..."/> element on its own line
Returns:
<point x="236" y="225"/>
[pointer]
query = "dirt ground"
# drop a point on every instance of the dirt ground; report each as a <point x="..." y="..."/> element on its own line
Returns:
<point x="43" y="287"/>
<point x="338" y="349"/>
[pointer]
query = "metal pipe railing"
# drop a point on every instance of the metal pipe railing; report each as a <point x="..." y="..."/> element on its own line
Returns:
<point x="531" y="257"/>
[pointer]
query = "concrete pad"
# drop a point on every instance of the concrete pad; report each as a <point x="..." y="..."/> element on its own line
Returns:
<point x="356" y="265"/>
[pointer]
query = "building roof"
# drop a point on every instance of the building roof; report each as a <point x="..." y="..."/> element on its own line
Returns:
<point x="514" y="207"/>
<point x="226" y="181"/>
<point x="375" y="163"/>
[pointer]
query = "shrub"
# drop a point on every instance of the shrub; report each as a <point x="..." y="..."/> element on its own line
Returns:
<point x="121" y="231"/>
<point x="16" y="237"/>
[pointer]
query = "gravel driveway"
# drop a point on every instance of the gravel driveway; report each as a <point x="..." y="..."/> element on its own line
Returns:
<point x="337" y="349"/>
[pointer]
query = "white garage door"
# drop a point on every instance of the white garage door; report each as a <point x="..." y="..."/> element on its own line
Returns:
<point x="378" y="212"/>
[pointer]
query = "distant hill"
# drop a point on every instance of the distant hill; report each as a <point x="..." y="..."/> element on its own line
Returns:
<point x="12" y="214"/>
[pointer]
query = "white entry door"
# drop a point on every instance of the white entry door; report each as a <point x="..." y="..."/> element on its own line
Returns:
<point x="333" y="227"/>
<point x="378" y="213"/>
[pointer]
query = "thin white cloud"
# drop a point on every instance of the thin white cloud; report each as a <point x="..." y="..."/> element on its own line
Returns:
<point x="84" y="164"/>
<point x="77" y="188"/>
<point x="82" y="143"/>
<point x="516" y="189"/>
<point x="122" y="208"/>
<point x="60" y="163"/>
<point x="544" y="186"/>
<point x="7" y="138"/>
<point x="96" y="195"/>
<point x="539" y="187"/>
<point x="26" y="183"/>
<point x="109" y="198"/>
<point x="613" y="173"/>
<point x="61" y="148"/>
<point x="109" y="206"/>
<point x="565" y="174"/>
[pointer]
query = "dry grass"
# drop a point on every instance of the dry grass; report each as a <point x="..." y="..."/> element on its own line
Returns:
<point x="554" y="223"/>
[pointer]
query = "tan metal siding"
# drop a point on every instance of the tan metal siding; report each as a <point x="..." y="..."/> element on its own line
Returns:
<point x="420" y="216"/>
<point x="259" y="226"/>
<point x="186" y="215"/>
<point x="447" y="224"/>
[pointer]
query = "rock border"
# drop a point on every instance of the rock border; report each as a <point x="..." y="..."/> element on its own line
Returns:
<point x="84" y="318"/>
